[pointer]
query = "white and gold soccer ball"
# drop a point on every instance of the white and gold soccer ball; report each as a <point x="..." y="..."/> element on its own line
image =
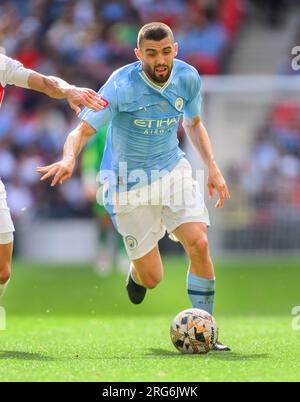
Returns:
<point x="194" y="331"/>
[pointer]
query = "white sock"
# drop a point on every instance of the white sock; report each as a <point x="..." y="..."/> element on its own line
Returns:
<point x="3" y="288"/>
<point x="133" y="277"/>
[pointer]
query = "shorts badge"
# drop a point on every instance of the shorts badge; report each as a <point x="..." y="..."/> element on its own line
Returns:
<point x="131" y="242"/>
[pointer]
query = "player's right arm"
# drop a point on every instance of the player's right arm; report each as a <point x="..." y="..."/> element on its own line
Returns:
<point x="91" y="121"/>
<point x="63" y="170"/>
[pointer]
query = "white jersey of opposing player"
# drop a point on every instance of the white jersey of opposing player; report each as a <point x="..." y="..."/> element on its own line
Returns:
<point x="12" y="72"/>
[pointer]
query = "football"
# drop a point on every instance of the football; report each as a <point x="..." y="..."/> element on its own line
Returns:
<point x="194" y="331"/>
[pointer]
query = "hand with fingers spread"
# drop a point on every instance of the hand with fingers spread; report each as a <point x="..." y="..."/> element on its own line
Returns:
<point x="85" y="97"/>
<point x="217" y="182"/>
<point x="60" y="171"/>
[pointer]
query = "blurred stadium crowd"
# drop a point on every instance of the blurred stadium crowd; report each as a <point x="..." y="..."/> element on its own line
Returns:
<point x="83" y="42"/>
<point x="266" y="211"/>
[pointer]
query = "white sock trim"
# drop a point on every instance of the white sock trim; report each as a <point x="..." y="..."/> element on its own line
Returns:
<point x="3" y="288"/>
<point x="135" y="280"/>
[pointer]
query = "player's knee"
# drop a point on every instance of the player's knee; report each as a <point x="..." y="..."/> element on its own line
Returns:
<point x="5" y="270"/>
<point x="151" y="280"/>
<point x="198" y="247"/>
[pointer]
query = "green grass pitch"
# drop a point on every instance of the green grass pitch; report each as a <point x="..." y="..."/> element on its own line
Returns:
<point x="67" y="324"/>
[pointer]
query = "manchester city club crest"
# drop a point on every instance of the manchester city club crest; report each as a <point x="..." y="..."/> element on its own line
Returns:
<point x="131" y="242"/>
<point x="179" y="104"/>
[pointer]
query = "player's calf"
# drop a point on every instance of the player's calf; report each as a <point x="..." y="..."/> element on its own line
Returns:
<point x="150" y="280"/>
<point x="145" y="273"/>
<point x="137" y="284"/>
<point x="198" y="252"/>
<point x="5" y="270"/>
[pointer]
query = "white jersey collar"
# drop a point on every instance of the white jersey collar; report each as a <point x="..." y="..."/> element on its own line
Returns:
<point x="152" y="84"/>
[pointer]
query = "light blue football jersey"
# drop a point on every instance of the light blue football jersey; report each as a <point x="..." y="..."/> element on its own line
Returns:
<point x="143" y="121"/>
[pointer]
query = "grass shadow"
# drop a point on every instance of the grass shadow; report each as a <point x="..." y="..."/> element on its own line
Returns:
<point x="240" y="357"/>
<point x="9" y="354"/>
<point x="226" y="356"/>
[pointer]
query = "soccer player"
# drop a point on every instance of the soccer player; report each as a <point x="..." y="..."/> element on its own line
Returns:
<point x="12" y="72"/>
<point x="145" y="102"/>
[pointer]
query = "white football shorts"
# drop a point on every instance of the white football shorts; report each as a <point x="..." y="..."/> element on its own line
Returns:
<point x="6" y="224"/>
<point x="143" y="215"/>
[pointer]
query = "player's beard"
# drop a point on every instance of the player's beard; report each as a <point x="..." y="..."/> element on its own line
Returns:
<point x="155" y="76"/>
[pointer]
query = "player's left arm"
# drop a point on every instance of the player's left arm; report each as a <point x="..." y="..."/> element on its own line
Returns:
<point x="199" y="137"/>
<point x="200" y="140"/>
<point x="57" y="88"/>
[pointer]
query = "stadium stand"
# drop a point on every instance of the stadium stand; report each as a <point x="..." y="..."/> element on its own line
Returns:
<point x="267" y="185"/>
